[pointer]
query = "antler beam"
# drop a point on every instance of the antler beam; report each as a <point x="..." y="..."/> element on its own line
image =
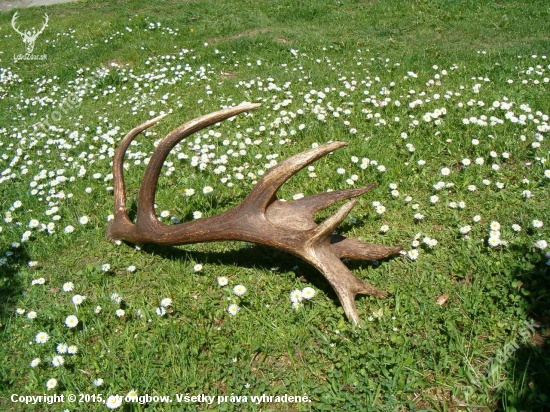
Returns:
<point x="261" y="218"/>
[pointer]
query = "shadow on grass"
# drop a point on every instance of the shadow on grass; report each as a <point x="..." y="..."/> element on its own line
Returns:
<point x="528" y="368"/>
<point x="258" y="256"/>
<point x="11" y="288"/>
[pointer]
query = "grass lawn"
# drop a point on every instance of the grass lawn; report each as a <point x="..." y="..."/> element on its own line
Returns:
<point x="445" y="105"/>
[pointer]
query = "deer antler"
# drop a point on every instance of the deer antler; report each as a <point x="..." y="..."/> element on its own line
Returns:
<point x="13" y="22"/>
<point x="47" y="19"/>
<point x="261" y="218"/>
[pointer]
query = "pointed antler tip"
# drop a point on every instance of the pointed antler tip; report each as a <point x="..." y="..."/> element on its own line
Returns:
<point x="249" y="105"/>
<point x="332" y="146"/>
<point x="151" y="122"/>
<point x="324" y="230"/>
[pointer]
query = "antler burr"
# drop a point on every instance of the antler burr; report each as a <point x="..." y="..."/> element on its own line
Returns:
<point x="261" y="218"/>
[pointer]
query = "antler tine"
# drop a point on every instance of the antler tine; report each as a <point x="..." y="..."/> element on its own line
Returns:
<point x="45" y="24"/>
<point x="345" y="284"/>
<point x="118" y="166"/>
<point x="304" y="209"/>
<point x="146" y="200"/>
<point x="323" y="231"/>
<point x="14" y="21"/>
<point x="355" y="249"/>
<point x="266" y="189"/>
<point x="323" y="200"/>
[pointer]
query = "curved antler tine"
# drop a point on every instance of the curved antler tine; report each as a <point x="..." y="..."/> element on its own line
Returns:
<point x="266" y="189"/>
<point x="45" y="24"/>
<point x="146" y="198"/>
<point x="303" y="210"/>
<point x="14" y="21"/>
<point x="119" y="187"/>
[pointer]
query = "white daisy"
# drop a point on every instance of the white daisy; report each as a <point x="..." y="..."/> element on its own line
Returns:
<point x="61" y="348"/>
<point x="57" y="360"/>
<point x="537" y="223"/>
<point x="78" y="299"/>
<point x="296" y="296"/>
<point x="413" y="254"/>
<point x="71" y="321"/>
<point x="239" y="290"/>
<point x="233" y="309"/>
<point x="68" y="286"/>
<point x="41" y="337"/>
<point x="52" y="383"/>
<point x="308" y="293"/>
<point x="113" y="402"/>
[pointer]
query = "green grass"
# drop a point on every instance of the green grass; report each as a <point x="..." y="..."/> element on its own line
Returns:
<point x="191" y="58"/>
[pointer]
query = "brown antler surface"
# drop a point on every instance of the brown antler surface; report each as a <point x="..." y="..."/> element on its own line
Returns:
<point x="261" y="218"/>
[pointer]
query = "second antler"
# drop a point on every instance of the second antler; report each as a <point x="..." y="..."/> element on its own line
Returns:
<point x="261" y="218"/>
